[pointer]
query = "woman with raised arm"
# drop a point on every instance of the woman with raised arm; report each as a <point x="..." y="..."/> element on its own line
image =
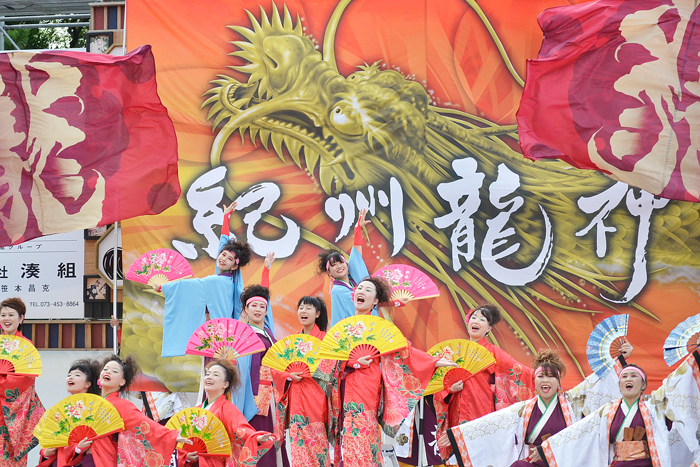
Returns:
<point x="143" y="441"/>
<point x="520" y="429"/>
<point x="344" y="275"/>
<point x="189" y="301"/>
<point x="21" y="407"/>
<point x="499" y="386"/>
<point x="81" y="379"/>
<point x="368" y="392"/>
<point x="247" y="444"/>
<point x="635" y="431"/>
<point x="302" y="407"/>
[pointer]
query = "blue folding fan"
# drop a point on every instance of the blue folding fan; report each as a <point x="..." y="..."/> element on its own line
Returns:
<point x="676" y="346"/>
<point x="603" y="346"/>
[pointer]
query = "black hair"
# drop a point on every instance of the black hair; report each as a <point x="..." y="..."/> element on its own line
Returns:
<point x="329" y="257"/>
<point x="90" y="370"/>
<point x="255" y="290"/>
<point x="320" y="305"/>
<point x="16" y="304"/>
<point x="233" y="376"/>
<point x="550" y="362"/>
<point x="489" y="311"/>
<point x="129" y="368"/>
<point x="382" y="286"/>
<point x="241" y="250"/>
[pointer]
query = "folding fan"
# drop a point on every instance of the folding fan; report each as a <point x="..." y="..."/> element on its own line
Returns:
<point x="407" y="283"/>
<point x="19" y="356"/>
<point x="76" y="417"/>
<point x="204" y="429"/>
<point x="682" y="340"/>
<point x="470" y="356"/>
<point x="604" y="343"/>
<point x="157" y="267"/>
<point x="295" y="353"/>
<point x="224" y="338"/>
<point x="359" y="336"/>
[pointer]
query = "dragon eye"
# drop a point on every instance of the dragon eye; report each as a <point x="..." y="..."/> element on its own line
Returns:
<point x="346" y="120"/>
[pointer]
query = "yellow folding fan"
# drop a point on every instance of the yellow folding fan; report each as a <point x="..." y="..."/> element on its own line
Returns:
<point x="295" y="353"/>
<point x="207" y="433"/>
<point x="19" y="356"/>
<point x="75" y="418"/>
<point x="359" y="336"/>
<point x="470" y="356"/>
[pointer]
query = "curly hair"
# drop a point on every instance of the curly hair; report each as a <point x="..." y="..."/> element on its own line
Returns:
<point x="255" y="290"/>
<point x="241" y="250"/>
<point x="90" y="369"/>
<point x="489" y="311"/>
<point x="550" y="362"/>
<point x="329" y="258"/>
<point x="320" y="305"/>
<point x="382" y="286"/>
<point x="129" y="368"/>
<point x="233" y="376"/>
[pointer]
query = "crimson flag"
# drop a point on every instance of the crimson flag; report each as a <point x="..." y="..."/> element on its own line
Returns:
<point x="84" y="141"/>
<point x="616" y="88"/>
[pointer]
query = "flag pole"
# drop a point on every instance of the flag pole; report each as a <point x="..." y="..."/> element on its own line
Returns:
<point x="114" y="285"/>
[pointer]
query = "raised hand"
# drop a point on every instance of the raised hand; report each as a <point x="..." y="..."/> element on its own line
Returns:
<point x="230" y="208"/>
<point x="269" y="259"/>
<point x="626" y="349"/>
<point x="361" y="221"/>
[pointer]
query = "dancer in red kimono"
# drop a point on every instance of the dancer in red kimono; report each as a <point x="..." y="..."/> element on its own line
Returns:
<point x="302" y="406"/>
<point x="497" y="387"/>
<point x="365" y="393"/>
<point x="247" y="444"/>
<point x="21" y="407"/>
<point x="81" y="379"/>
<point x="143" y="441"/>
<point x="255" y="300"/>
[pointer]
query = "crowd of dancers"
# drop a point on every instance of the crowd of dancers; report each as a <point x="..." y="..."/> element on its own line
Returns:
<point x="508" y="415"/>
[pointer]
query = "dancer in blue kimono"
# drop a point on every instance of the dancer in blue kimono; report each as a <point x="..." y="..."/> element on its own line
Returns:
<point x="345" y="275"/>
<point x="187" y="301"/>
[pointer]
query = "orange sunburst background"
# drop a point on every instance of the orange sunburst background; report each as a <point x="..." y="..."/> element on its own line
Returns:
<point x="442" y="44"/>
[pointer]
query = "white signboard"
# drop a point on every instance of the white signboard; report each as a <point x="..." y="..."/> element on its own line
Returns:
<point x="47" y="274"/>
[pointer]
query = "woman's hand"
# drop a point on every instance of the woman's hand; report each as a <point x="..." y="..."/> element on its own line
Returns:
<point x="534" y="455"/>
<point x="49" y="452"/>
<point x="230" y="208"/>
<point x="269" y="259"/>
<point x="366" y="360"/>
<point x="444" y="441"/>
<point x="361" y="221"/>
<point x="626" y="349"/>
<point x="444" y="362"/>
<point x="265" y="438"/>
<point x="182" y="440"/>
<point x="85" y="443"/>
<point x="296" y="376"/>
<point x="458" y="386"/>
<point x="192" y="456"/>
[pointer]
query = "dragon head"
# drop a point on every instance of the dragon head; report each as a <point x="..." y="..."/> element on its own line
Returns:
<point x="336" y="125"/>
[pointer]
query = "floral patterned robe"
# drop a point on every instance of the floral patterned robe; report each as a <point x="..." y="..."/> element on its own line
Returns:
<point x="508" y="382"/>
<point x="302" y="407"/>
<point x="21" y="411"/>
<point x="143" y="443"/>
<point x="363" y="399"/>
<point x="244" y="443"/>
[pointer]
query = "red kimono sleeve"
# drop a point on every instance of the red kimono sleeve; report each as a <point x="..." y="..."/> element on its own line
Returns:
<point x="244" y="438"/>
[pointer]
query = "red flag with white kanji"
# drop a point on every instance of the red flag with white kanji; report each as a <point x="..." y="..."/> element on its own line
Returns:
<point x="84" y="141"/>
<point x="616" y="88"/>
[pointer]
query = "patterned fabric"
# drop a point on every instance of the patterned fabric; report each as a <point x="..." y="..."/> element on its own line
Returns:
<point x="21" y="411"/>
<point x="143" y="443"/>
<point x="361" y="437"/>
<point x="309" y="443"/>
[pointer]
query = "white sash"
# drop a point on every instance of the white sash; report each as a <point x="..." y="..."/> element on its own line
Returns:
<point x="547" y="411"/>
<point x="629" y="412"/>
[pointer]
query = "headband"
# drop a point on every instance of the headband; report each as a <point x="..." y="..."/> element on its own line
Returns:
<point x="636" y="370"/>
<point x="328" y="263"/>
<point x="540" y="369"/>
<point x="255" y="299"/>
<point x="235" y="256"/>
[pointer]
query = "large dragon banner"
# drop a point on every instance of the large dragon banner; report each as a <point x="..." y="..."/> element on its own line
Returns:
<point x="307" y="111"/>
